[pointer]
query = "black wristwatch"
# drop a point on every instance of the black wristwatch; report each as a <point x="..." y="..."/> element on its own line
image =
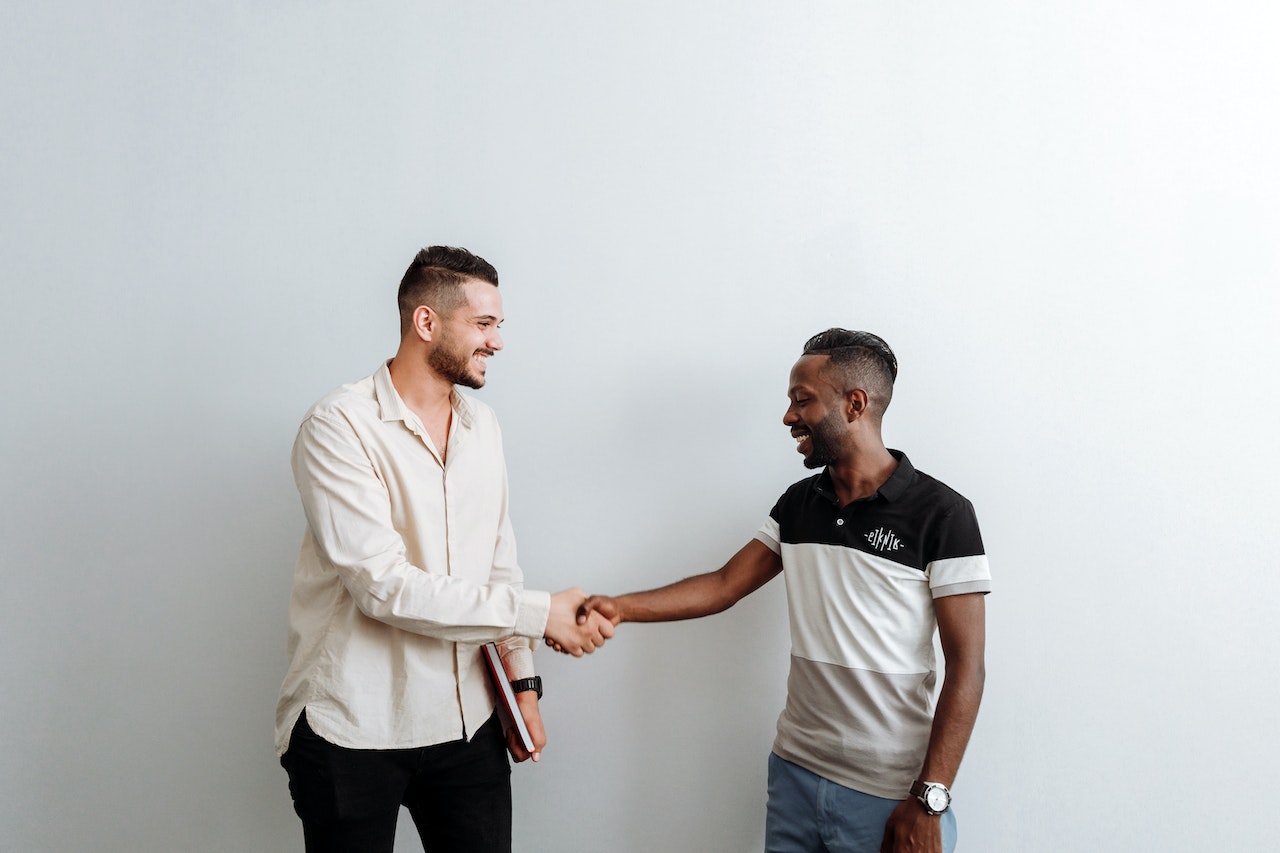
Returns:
<point x="520" y="685"/>
<point x="934" y="796"/>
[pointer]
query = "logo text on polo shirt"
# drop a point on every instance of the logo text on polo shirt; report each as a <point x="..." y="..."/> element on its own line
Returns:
<point x="884" y="540"/>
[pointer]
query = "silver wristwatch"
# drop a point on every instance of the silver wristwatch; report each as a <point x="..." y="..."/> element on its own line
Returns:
<point x="934" y="796"/>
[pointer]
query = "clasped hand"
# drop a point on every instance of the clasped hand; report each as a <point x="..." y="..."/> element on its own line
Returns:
<point x="572" y="630"/>
<point x="596" y="614"/>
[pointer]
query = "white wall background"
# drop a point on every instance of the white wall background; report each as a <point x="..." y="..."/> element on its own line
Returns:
<point x="1063" y="216"/>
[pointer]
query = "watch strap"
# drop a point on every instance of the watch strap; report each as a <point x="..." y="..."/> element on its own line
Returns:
<point x="522" y="685"/>
<point x="920" y="789"/>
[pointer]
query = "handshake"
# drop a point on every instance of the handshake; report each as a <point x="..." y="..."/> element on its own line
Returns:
<point x="579" y="624"/>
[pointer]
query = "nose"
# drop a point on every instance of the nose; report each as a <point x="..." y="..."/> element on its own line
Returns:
<point x="495" y="341"/>
<point x="790" y="418"/>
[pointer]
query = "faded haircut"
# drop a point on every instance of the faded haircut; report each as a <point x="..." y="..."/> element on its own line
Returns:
<point x="857" y="360"/>
<point x="435" y="279"/>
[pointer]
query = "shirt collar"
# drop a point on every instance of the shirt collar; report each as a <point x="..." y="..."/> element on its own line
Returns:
<point x="900" y="479"/>
<point x="891" y="489"/>
<point x="391" y="407"/>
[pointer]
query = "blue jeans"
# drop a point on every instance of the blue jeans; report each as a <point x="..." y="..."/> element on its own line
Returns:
<point x="810" y="814"/>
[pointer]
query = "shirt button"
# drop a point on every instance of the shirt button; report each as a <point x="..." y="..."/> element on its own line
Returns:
<point x="839" y="522"/>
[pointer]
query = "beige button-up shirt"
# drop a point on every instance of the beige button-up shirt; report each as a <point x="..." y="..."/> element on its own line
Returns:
<point x="407" y="565"/>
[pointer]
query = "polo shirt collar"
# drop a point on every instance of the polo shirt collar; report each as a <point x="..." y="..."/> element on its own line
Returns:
<point x="902" y="476"/>
<point x="391" y="407"/>
<point x="891" y="489"/>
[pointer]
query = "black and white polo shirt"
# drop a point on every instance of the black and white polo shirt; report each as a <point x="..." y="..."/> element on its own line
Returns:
<point x="860" y="587"/>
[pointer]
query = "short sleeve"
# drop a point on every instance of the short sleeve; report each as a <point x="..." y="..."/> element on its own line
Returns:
<point x="958" y="562"/>
<point x="770" y="533"/>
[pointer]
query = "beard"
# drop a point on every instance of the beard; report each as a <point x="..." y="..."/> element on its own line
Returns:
<point x="824" y="436"/>
<point x="455" y="366"/>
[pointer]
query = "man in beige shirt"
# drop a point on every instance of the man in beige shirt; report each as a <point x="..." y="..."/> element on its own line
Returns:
<point x="407" y="566"/>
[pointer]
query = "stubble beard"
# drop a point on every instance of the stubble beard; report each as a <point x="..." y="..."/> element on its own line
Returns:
<point x="824" y="436"/>
<point x="456" y="368"/>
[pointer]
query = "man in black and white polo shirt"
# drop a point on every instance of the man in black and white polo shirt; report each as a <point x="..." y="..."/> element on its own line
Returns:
<point x="876" y="555"/>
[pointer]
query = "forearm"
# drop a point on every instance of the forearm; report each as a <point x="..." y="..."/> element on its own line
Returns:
<point x="444" y="607"/>
<point x="517" y="657"/>
<point x="962" y="632"/>
<point x="691" y="598"/>
<point x="953" y="722"/>
<point x="701" y="595"/>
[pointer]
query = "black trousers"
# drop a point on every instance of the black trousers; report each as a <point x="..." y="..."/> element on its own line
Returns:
<point x="458" y="793"/>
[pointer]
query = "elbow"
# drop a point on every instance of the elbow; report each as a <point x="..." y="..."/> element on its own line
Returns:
<point x="372" y="604"/>
<point x="722" y="597"/>
<point x="978" y="670"/>
<point x="968" y="675"/>
<point x="974" y="677"/>
<point x="376" y="595"/>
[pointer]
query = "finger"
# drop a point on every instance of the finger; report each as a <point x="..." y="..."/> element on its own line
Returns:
<point x="515" y="747"/>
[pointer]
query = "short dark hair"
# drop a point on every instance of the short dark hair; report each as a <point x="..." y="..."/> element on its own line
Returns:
<point x="435" y="279"/>
<point x="861" y="360"/>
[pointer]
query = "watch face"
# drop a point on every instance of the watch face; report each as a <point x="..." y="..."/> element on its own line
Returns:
<point x="937" y="798"/>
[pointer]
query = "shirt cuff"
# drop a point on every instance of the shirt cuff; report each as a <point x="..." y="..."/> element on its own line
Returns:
<point x="517" y="659"/>
<point x="532" y="611"/>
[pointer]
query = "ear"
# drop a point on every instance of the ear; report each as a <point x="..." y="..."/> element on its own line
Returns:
<point x="855" y="404"/>
<point x="425" y="322"/>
